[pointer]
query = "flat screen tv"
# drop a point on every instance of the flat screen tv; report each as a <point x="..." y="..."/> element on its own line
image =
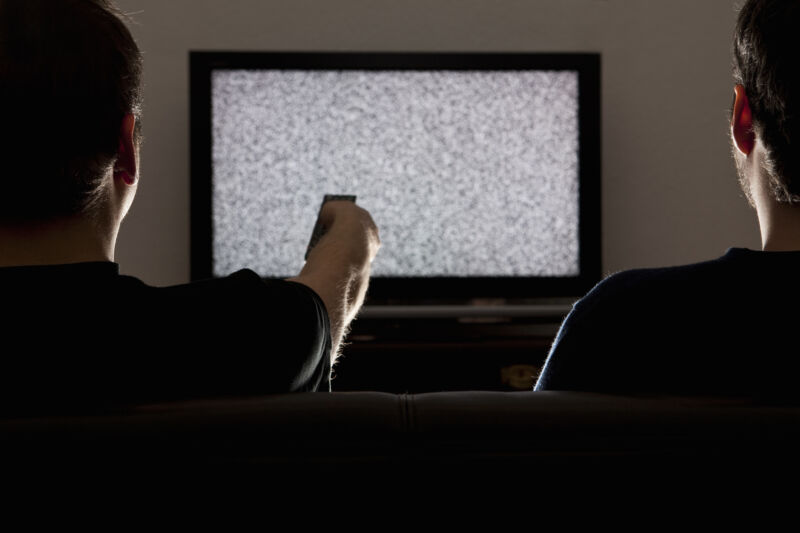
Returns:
<point x="482" y="170"/>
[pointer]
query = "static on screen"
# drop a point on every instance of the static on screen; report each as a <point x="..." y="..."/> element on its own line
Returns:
<point x="466" y="173"/>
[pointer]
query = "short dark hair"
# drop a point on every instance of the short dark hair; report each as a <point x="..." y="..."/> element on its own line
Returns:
<point x="69" y="72"/>
<point x="766" y="53"/>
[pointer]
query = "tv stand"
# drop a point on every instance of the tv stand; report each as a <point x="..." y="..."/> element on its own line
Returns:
<point x="429" y="348"/>
<point x="551" y="310"/>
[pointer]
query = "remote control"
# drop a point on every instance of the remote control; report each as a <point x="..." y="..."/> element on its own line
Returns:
<point x="319" y="229"/>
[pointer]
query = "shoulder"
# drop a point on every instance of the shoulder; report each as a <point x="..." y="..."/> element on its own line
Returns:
<point x="242" y="298"/>
<point x="625" y="318"/>
<point x="243" y="334"/>
<point x="657" y="285"/>
<point x="243" y="284"/>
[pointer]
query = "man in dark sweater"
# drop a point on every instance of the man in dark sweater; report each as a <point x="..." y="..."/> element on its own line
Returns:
<point x="724" y="326"/>
<point x="75" y="332"/>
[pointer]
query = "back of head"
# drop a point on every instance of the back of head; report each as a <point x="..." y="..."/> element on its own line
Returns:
<point x="767" y="64"/>
<point x="69" y="72"/>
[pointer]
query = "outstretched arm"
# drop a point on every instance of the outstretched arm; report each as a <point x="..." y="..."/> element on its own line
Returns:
<point x="338" y="267"/>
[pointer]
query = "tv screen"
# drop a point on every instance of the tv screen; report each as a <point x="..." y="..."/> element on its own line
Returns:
<point x="480" y="170"/>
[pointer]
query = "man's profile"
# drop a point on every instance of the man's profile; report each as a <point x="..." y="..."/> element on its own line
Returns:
<point x="75" y="331"/>
<point x="725" y="326"/>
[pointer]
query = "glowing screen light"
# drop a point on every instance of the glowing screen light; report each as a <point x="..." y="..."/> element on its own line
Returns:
<point x="466" y="173"/>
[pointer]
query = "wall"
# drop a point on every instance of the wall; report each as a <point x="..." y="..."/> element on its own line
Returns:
<point x="670" y="194"/>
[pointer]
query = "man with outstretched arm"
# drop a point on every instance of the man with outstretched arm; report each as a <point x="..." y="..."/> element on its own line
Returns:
<point x="77" y="333"/>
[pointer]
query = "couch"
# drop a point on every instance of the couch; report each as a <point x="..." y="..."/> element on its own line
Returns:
<point x="503" y="438"/>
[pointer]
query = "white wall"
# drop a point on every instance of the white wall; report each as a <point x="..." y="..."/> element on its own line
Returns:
<point x="669" y="188"/>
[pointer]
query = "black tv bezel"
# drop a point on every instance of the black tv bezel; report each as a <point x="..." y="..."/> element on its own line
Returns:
<point x="419" y="289"/>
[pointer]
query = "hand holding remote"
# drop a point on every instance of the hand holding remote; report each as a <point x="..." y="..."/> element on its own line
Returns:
<point x="339" y="261"/>
<point x="319" y="227"/>
<point x="348" y="232"/>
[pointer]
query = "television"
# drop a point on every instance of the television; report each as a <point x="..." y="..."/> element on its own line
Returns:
<point x="481" y="170"/>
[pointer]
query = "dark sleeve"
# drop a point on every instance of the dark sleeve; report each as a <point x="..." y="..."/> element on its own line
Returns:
<point x="308" y="342"/>
<point x="250" y="336"/>
<point x="300" y="336"/>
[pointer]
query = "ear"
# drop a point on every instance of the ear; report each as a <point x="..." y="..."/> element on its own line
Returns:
<point x="742" y="122"/>
<point x="125" y="167"/>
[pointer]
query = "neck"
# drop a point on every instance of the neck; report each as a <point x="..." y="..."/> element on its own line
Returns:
<point x="779" y="222"/>
<point x="68" y="240"/>
<point x="780" y="228"/>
